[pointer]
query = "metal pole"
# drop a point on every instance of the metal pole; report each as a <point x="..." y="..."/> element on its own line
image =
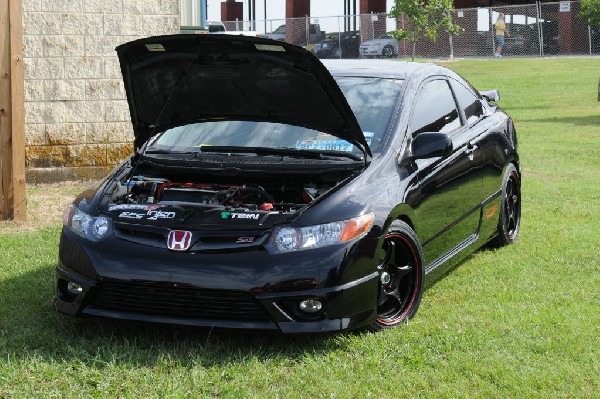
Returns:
<point x="451" y="43"/>
<point x="307" y="19"/>
<point x="590" y="38"/>
<point x="354" y="19"/>
<point x="346" y="15"/>
<point x="249" y="11"/>
<point x="265" y="16"/>
<point x="538" y="7"/>
<point x="540" y="29"/>
<point x="492" y="30"/>
<point x="203" y="11"/>
<point x="253" y="15"/>
<point x="340" y="43"/>
<point x="403" y="40"/>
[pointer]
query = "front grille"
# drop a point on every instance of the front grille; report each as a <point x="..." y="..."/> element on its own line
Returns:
<point x="167" y="300"/>
<point x="147" y="235"/>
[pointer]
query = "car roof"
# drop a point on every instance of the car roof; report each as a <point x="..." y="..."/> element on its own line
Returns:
<point x="383" y="68"/>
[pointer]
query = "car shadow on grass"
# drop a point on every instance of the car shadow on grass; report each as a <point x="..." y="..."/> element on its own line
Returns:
<point x="30" y="325"/>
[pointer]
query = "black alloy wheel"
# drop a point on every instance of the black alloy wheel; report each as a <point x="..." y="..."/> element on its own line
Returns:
<point x="510" y="211"/>
<point x="388" y="51"/>
<point x="401" y="277"/>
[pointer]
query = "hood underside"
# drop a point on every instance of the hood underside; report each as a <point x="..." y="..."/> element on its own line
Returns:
<point x="180" y="79"/>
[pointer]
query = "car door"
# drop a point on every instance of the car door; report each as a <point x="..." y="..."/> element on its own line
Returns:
<point x="447" y="198"/>
<point x="479" y="136"/>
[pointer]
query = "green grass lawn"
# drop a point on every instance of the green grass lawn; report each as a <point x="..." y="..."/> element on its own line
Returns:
<point x="517" y="322"/>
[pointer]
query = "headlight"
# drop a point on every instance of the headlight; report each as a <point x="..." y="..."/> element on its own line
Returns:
<point x="289" y="239"/>
<point x="86" y="226"/>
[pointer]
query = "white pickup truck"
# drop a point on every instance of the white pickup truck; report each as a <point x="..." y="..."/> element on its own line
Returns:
<point x="215" y="27"/>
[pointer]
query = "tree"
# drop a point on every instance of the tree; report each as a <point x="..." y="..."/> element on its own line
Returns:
<point x="590" y="12"/>
<point x="426" y="18"/>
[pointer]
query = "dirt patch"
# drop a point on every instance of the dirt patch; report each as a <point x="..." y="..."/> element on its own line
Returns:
<point x="45" y="205"/>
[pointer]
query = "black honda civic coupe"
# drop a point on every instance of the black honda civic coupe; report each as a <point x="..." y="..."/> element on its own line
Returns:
<point x="270" y="191"/>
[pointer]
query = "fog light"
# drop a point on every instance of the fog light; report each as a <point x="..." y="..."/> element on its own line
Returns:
<point x="311" y="305"/>
<point x="74" y="288"/>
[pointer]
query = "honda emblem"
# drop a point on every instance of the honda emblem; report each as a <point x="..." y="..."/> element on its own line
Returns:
<point x="179" y="240"/>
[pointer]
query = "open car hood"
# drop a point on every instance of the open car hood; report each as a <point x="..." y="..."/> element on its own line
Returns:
<point x="180" y="79"/>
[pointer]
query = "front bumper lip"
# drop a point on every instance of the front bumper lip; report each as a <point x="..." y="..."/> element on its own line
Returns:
<point x="113" y="314"/>
<point x="286" y="327"/>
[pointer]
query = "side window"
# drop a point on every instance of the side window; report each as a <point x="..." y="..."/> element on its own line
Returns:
<point x="468" y="101"/>
<point x="435" y="109"/>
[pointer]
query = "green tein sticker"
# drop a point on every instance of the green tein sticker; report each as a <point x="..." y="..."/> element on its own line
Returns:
<point x="269" y="47"/>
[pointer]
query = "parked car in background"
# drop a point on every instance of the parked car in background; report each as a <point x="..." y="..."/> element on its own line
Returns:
<point x="339" y="45"/>
<point x="315" y="48"/>
<point x="385" y="46"/>
<point x="277" y="34"/>
<point x="298" y="196"/>
<point x="314" y="33"/>
<point x="215" y="28"/>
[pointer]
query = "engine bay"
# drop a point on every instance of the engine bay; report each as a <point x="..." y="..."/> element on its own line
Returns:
<point x="273" y="196"/>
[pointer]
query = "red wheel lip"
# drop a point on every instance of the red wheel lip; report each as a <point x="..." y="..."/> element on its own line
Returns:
<point x="417" y="282"/>
<point x="515" y="233"/>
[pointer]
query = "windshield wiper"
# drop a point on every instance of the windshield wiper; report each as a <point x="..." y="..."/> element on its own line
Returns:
<point x="283" y="152"/>
<point x="168" y="152"/>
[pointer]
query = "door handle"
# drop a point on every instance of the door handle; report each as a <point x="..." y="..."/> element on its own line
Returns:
<point x="471" y="148"/>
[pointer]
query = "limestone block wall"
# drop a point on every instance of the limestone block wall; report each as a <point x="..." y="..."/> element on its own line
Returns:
<point x="77" y="122"/>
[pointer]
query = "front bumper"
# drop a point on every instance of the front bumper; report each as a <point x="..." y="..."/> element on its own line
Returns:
<point x="245" y="290"/>
<point x="370" y="51"/>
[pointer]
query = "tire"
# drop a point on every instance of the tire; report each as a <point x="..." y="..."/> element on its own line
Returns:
<point x="387" y="52"/>
<point x="401" y="281"/>
<point x="337" y="53"/>
<point x="510" y="209"/>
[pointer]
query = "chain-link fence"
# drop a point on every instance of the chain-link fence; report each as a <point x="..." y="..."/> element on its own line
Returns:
<point x="535" y="30"/>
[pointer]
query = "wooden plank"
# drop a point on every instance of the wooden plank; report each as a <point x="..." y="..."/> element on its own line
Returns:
<point x="18" y="110"/>
<point x="5" y="114"/>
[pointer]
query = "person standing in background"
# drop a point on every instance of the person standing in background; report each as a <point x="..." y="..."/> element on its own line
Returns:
<point x="501" y="30"/>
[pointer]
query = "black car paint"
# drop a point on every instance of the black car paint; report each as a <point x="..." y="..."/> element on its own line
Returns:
<point x="344" y="275"/>
<point x="241" y="78"/>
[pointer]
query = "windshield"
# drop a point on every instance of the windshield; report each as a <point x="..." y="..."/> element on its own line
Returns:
<point x="373" y="101"/>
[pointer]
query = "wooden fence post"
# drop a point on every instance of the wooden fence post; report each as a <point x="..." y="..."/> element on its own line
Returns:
<point x="12" y="115"/>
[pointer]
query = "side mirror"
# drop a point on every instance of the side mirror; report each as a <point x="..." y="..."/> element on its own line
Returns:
<point x="490" y="95"/>
<point x="430" y="145"/>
